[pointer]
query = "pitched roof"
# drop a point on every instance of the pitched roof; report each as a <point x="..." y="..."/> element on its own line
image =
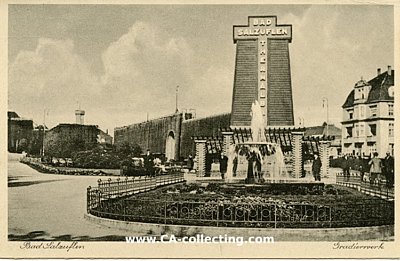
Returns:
<point x="322" y="130"/>
<point x="350" y="100"/>
<point x="73" y="125"/>
<point x="379" y="89"/>
<point x="380" y="85"/>
<point x="12" y="114"/>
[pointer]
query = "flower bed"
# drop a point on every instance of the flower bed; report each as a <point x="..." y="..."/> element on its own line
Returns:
<point x="37" y="165"/>
<point x="254" y="195"/>
<point x="224" y="205"/>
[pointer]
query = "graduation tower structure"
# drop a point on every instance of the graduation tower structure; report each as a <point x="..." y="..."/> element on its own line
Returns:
<point x="262" y="72"/>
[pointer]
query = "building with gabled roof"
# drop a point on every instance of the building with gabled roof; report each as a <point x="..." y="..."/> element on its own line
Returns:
<point x="368" y="116"/>
<point x="19" y="132"/>
<point x="326" y="130"/>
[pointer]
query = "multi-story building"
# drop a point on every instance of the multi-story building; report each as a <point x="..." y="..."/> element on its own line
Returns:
<point x="19" y="132"/>
<point x="368" y="116"/>
<point x="65" y="138"/>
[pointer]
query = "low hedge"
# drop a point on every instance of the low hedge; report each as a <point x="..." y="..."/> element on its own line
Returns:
<point x="43" y="168"/>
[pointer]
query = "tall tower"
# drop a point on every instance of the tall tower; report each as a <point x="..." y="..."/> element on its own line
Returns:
<point x="80" y="115"/>
<point x="262" y="72"/>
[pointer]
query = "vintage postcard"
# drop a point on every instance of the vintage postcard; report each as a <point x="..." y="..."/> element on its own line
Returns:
<point x="199" y="130"/>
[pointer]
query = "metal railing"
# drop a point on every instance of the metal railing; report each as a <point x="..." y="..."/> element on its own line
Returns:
<point x="115" y="199"/>
<point x="222" y="213"/>
<point x="120" y="188"/>
<point x="377" y="188"/>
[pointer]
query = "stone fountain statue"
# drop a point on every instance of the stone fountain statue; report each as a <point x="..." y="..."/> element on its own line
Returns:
<point x="261" y="156"/>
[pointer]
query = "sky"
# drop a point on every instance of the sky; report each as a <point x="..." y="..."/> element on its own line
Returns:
<point x="122" y="62"/>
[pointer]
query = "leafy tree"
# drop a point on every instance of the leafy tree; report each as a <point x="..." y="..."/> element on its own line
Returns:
<point x="64" y="148"/>
<point x="23" y="145"/>
<point x="126" y="149"/>
<point x="136" y="150"/>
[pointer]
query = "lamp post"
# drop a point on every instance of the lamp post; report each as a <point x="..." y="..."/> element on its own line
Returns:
<point x="301" y="122"/>
<point x="325" y="101"/>
<point x="45" y="111"/>
<point x="176" y="98"/>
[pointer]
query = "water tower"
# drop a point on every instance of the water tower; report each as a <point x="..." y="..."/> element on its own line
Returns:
<point x="80" y="116"/>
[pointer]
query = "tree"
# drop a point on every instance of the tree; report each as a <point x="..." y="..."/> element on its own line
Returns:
<point x="136" y="150"/>
<point x="22" y="145"/>
<point x="64" y="148"/>
<point x="126" y="149"/>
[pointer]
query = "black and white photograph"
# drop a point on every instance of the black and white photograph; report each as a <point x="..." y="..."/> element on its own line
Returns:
<point x="223" y="130"/>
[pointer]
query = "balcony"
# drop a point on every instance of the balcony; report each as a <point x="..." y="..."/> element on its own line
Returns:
<point x="354" y="139"/>
<point x="371" y="138"/>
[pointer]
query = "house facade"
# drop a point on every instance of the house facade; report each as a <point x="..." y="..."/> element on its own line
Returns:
<point x="368" y="116"/>
<point x="19" y="132"/>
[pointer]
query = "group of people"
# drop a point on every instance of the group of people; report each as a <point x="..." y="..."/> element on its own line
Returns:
<point x="254" y="166"/>
<point x="153" y="165"/>
<point x="379" y="169"/>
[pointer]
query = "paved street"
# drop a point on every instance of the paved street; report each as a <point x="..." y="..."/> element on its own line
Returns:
<point x="47" y="206"/>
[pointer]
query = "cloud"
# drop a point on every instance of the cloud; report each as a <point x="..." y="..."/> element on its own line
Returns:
<point x="52" y="76"/>
<point x="212" y="91"/>
<point x="331" y="49"/>
<point x="144" y="66"/>
<point x="141" y="71"/>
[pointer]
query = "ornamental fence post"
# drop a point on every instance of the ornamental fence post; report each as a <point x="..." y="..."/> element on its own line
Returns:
<point x="88" y="202"/>
<point x="118" y="187"/>
<point x="165" y="211"/>
<point x="218" y="212"/>
<point x="109" y="187"/>
<point x="124" y="207"/>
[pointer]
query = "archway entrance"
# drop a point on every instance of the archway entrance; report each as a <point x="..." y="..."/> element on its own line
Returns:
<point x="170" y="146"/>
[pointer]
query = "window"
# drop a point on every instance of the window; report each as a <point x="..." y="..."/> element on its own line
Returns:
<point x="391" y="129"/>
<point x="372" y="129"/>
<point x="350" y="112"/>
<point x="362" y="112"/>
<point x="362" y="130"/>
<point x="372" y="147"/>
<point x="374" y="110"/>
<point x="349" y="132"/>
<point x="357" y="133"/>
<point x="390" y="109"/>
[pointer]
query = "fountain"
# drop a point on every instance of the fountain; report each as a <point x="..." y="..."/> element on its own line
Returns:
<point x="265" y="160"/>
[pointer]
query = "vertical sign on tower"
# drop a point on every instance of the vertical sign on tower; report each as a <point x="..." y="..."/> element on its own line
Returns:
<point x="268" y="42"/>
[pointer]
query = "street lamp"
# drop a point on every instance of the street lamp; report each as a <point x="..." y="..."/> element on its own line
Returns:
<point x="325" y="101"/>
<point x="301" y="122"/>
<point x="45" y="112"/>
<point x="176" y="98"/>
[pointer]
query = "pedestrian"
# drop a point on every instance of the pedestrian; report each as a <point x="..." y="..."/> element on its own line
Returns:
<point x="209" y="161"/>
<point x="375" y="168"/>
<point x="149" y="163"/>
<point x="190" y="162"/>
<point x="388" y="163"/>
<point x="223" y="164"/>
<point x="346" y="168"/>
<point x="362" y="167"/>
<point x="235" y="165"/>
<point x="316" y="167"/>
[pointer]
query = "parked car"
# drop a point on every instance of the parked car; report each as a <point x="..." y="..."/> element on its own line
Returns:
<point x="62" y="162"/>
<point x="69" y="162"/>
<point x="133" y="167"/>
